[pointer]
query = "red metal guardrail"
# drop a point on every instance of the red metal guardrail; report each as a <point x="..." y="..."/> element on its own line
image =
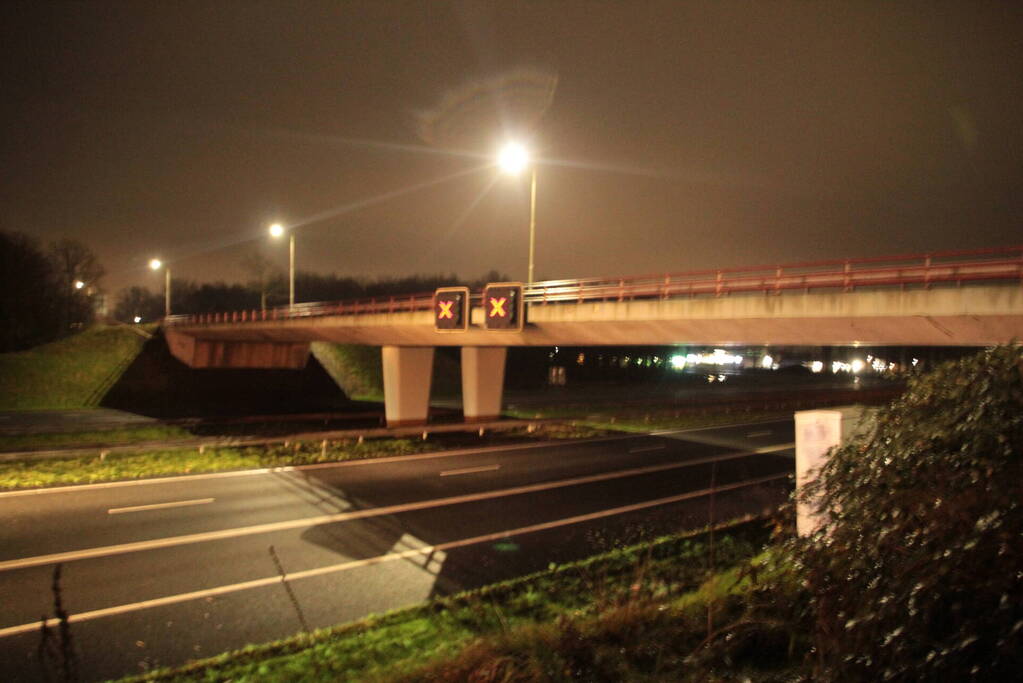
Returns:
<point x="924" y="270"/>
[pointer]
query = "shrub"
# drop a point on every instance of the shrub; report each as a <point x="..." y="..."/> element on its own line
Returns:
<point x="919" y="573"/>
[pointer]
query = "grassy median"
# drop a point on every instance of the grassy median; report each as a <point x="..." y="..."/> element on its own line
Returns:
<point x="100" y="467"/>
<point x="641" y="420"/>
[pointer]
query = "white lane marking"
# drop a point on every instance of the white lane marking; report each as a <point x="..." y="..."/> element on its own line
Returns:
<point x="380" y="559"/>
<point x="201" y="537"/>
<point x="300" y="468"/>
<point x="470" y="470"/>
<point x="160" y="506"/>
<point x="753" y="435"/>
<point x="644" y="449"/>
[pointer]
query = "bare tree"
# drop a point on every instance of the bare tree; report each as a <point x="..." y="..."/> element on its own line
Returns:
<point x="262" y="271"/>
<point x="74" y="262"/>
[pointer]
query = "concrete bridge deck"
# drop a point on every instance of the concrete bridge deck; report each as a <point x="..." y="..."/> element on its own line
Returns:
<point x="970" y="298"/>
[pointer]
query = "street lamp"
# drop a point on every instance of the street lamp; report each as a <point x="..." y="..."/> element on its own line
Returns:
<point x="512" y="159"/>
<point x="277" y="230"/>
<point x="157" y="264"/>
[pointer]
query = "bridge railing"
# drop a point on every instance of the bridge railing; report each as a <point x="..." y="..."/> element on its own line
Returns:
<point x="846" y="275"/>
<point x="956" y="267"/>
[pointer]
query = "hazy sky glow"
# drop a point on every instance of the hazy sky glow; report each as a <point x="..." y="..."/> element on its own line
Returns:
<point x="671" y="136"/>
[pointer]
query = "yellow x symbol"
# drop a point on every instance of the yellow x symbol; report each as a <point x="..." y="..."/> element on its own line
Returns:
<point x="497" y="307"/>
<point x="445" y="310"/>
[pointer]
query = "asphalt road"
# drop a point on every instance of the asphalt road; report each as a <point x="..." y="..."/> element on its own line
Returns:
<point x="157" y="572"/>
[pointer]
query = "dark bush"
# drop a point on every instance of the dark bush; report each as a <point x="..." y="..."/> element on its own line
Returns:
<point x="919" y="573"/>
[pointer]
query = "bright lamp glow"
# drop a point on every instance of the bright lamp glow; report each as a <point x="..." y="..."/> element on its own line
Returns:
<point x="513" y="158"/>
<point x="276" y="230"/>
<point x="79" y="284"/>
<point x="155" y="264"/>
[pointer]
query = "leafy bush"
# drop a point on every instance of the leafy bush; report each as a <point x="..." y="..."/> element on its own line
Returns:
<point x="919" y="573"/>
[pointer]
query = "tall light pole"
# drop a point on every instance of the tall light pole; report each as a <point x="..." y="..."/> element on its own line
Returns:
<point x="277" y="230"/>
<point x="156" y="264"/>
<point x="512" y="159"/>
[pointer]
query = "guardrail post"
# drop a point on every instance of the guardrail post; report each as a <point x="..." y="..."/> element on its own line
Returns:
<point x="718" y="284"/>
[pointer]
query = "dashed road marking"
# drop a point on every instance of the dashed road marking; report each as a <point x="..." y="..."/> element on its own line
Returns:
<point x="470" y="470"/>
<point x="160" y="506"/>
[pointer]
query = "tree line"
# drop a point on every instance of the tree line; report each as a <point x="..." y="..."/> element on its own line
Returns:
<point x="45" y="292"/>
<point x="48" y="292"/>
<point x="189" y="297"/>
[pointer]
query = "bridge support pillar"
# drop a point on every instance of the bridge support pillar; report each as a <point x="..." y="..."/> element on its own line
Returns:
<point x="407" y="373"/>
<point x="482" y="382"/>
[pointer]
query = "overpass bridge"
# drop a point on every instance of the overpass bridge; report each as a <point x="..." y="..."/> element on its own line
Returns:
<point x="956" y="298"/>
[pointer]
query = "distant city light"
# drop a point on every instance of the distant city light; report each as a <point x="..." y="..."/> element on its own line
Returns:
<point x="857" y="365"/>
<point x="678" y="362"/>
<point x="767" y="362"/>
<point x="817" y="366"/>
<point x="718" y="357"/>
<point x="79" y="284"/>
<point x="138" y="318"/>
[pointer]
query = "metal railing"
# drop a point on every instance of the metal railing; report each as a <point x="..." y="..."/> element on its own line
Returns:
<point x="845" y="275"/>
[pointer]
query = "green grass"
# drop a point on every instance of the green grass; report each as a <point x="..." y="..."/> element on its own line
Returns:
<point x="357" y="369"/>
<point x="641" y="639"/>
<point x="416" y="641"/>
<point x="67" y="374"/>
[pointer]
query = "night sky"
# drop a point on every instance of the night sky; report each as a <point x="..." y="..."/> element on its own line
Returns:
<point x="672" y="136"/>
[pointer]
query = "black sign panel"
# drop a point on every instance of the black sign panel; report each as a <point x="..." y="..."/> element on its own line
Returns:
<point x="502" y="307"/>
<point x="451" y="309"/>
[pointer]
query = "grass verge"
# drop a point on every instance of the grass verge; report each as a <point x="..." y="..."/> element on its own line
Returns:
<point x="397" y="644"/>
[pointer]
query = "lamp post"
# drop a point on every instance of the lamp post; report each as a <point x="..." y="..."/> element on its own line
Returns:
<point x="156" y="264"/>
<point x="512" y="158"/>
<point x="277" y="230"/>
